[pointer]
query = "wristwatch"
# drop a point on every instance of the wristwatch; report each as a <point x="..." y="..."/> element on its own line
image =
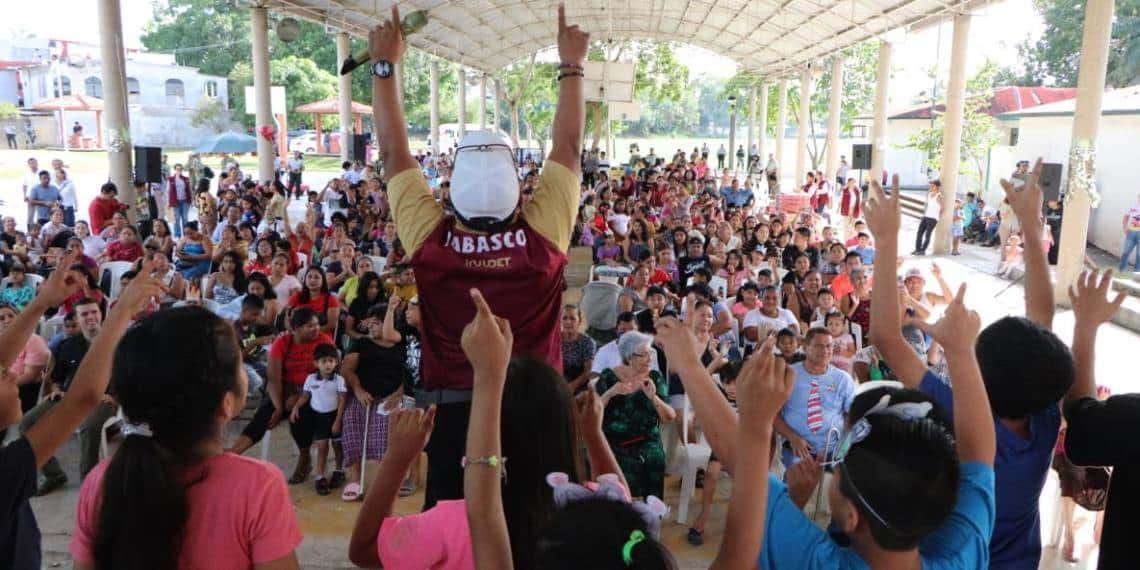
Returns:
<point x="382" y="69"/>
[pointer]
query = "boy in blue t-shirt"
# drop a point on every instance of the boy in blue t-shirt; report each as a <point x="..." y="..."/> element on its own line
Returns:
<point x="1026" y="370"/>
<point x="864" y="249"/>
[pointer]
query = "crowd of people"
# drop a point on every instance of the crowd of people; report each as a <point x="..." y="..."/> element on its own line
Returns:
<point x="864" y="414"/>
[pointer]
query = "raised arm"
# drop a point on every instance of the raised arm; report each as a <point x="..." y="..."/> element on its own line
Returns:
<point x="51" y="293"/>
<point x="386" y="42"/>
<point x="487" y="341"/>
<point x="713" y="410"/>
<point x="1026" y="205"/>
<point x="957" y="332"/>
<point x="883" y="218"/>
<point x="570" y="116"/>
<point x="1089" y="297"/>
<point x="90" y="382"/>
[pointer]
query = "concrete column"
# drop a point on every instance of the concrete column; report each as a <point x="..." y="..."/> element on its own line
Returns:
<point x="434" y="69"/>
<point x="1086" y="123"/>
<point x="495" y="105"/>
<point x="732" y="137"/>
<point x="115" y="101"/>
<point x="482" y="102"/>
<point x="834" y="109"/>
<point x="461" y="75"/>
<point x="763" y="126"/>
<point x="781" y="128"/>
<point x="259" y="21"/>
<point x="879" y="122"/>
<point x="751" y="124"/>
<point x="952" y="132"/>
<point x="344" y="98"/>
<point x="803" y="126"/>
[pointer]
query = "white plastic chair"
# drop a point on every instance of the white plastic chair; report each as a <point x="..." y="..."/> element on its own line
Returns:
<point x="116" y="270"/>
<point x="692" y="456"/>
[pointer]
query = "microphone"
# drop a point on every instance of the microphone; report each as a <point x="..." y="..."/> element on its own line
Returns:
<point x="409" y="24"/>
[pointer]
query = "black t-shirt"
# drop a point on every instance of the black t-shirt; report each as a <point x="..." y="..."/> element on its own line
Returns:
<point x="380" y="369"/>
<point x="689" y="266"/>
<point x="19" y="533"/>
<point x="67" y="357"/>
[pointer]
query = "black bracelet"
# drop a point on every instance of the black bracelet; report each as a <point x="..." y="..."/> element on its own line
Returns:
<point x="570" y="66"/>
<point x="571" y="74"/>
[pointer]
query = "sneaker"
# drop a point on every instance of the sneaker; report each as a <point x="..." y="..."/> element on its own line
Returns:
<point x="51" y="484"/>
<point x="408" y="488"/>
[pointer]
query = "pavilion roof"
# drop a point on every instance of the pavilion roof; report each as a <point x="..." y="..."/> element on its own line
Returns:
<point x="73" y="102"/>
<point x="770" y="37"/>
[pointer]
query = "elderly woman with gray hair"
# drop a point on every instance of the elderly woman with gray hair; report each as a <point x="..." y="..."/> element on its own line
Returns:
<point x="634" y="397"/>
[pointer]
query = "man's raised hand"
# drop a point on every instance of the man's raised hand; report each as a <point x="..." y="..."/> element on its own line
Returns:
<point x="1026" y="202"/>
<point x="572" y="41"/>
<point x="386" y="40"/>
<point x="882" y="212"/>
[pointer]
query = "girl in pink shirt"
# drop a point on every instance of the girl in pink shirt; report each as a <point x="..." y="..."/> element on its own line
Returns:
<point x="170" y="497"/>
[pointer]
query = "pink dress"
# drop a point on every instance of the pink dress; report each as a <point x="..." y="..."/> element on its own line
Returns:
<point x="240" y="514"/>
<point x="845" y="342"/>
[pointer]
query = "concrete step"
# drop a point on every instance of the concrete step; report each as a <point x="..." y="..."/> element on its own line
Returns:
<point x="1128" y="283"/>
<point x="912" y="205"/>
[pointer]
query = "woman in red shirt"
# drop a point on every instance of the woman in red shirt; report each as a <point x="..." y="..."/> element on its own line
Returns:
<point x="314" y="294"/>
<point x="262" y="261"/>
<point x="126" y="248"/>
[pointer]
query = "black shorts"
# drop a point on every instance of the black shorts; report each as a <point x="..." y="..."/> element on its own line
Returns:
<point x="323" y="425"/>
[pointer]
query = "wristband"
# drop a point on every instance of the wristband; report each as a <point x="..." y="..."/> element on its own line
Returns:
<point x="492" y="461"/>
<point x="570" y="66"/>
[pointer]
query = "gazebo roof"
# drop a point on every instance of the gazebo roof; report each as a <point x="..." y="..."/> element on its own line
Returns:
<point x="771" y="37"/>
<point x="73" y="102"/>
<point x="332" y="107"/>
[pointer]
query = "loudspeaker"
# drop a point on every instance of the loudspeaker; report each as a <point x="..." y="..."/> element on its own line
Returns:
<point x="861" y="156"/>
<point x="1050" y="181"/>
<point x="148" y="164"/>
<point x="359" y="142"/>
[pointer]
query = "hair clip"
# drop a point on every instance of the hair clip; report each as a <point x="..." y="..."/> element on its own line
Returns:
<point x="608" y="486"/>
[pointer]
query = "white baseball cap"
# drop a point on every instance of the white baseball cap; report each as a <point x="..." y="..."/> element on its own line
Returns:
<point x="484" y="183"/>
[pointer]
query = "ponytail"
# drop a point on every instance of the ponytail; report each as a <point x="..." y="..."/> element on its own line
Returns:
<point x="143" y="511"/>
<point x="171" y="372"/>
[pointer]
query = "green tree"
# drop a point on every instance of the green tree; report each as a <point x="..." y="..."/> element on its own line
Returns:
<point x="212" y="114"/>
<point x="979" y="130"/>
<point x="304" y="82"/>
<point x="1054" y="59"/>
<point x="8" y="111"/>
<point x="211" y="35"/>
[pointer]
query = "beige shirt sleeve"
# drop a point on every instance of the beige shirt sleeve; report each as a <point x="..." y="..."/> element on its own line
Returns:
<point x="555" y="204"/>
<point x="414" y="208"/>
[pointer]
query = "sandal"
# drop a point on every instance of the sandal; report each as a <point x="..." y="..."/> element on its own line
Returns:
<point x="350" y="493"/>
<point x="304" y="467"/>
<point x="695" y="537"/>
<point x="322" y="486"/>
<point x="337" y="479"/>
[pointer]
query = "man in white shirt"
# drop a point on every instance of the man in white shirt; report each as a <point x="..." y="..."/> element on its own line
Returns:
<point x="929" y="218"/>
<point x="769" y="318"/>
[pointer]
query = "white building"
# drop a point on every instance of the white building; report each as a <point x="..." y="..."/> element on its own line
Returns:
<point x="162" y="95"/>
<point x="1047" y="130"/>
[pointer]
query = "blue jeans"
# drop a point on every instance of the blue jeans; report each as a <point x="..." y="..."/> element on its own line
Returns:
<point x="1131" y="244"/>
<point x="181" y="211"/>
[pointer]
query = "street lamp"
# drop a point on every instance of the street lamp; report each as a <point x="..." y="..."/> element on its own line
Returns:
<point x="732" y="132"/>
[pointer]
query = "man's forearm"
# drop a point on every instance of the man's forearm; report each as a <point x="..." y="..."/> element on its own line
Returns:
<point x="569" y="120"/>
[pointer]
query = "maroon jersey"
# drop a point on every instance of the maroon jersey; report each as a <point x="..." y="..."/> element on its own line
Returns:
<point x="518" y="271"/>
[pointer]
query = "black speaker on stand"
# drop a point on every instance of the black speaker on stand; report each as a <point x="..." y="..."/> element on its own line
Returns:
<point x="861" y="156"/>
<point x="359" y="146"/>
<point x="148" y="164"/>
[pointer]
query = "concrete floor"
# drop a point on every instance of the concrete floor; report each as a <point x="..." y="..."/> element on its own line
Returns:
<point x="327" y="522"/>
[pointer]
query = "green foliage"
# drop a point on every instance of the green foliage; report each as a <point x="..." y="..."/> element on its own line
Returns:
<point x="212" y="114"/>
<point x="8" y="111"/>
<point x="304" y="82"/>
<point x="211" y="35"/>
<point x="1054" y="59"/>
<point x="979" y="131"/>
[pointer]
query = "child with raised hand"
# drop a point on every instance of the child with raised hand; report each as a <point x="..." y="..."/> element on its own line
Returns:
<point x="1026" y="370"/>
<point x="1101" y="432"/>
<point x="324" y="395"/>
<point x="21" y="459"/>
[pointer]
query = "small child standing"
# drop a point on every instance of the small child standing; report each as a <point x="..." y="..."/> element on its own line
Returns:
<point x="324" y="393"/>
<point x="958" y="228"/>
<point x="842" y="341"/>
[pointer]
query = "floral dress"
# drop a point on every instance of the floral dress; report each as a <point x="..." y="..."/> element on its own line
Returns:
<point x="632" y="428"/>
